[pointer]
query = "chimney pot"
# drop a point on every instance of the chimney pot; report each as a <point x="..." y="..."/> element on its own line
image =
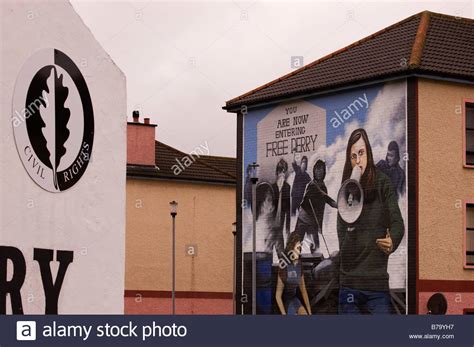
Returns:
<point x="147" y="120"/>
<point x="135" y="115"/>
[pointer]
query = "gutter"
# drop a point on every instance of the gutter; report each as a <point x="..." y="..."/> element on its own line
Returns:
<point x="182" y="180"/>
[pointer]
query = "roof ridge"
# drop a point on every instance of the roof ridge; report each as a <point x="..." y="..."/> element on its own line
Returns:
<point x="448" y="16"/>
<point x="419" y="42"/>
<point x="328" y="56"/>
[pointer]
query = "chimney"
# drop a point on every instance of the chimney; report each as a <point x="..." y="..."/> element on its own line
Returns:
<point x="140" y="141"/>
<point x="135" y="115"/>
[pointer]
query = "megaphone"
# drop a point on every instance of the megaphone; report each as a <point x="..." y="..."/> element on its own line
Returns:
<point x="350" y="198"/>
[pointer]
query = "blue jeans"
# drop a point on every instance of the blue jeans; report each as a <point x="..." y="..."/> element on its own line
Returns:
<point x="264" y="285"/>
<point x="293" y="307"/>
<point x="353" y="301"/>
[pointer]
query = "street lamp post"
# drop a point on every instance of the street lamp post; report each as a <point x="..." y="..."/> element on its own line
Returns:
<point x="173" y="212"/>
<point x="254" y="179"/>
<point x="234" y="289"/>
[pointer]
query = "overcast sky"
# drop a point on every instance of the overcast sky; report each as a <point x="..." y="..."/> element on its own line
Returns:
<point x="183" y="60"/>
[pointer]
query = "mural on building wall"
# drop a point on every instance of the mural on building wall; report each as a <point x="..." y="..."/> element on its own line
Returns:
<point x="331" y="204"/>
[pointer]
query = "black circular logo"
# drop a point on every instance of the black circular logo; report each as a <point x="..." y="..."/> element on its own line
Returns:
<point x="53" y="120"/>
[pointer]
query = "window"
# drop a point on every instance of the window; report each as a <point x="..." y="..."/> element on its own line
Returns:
<point x="469" y="134"/>
<point x="470" y="234"/>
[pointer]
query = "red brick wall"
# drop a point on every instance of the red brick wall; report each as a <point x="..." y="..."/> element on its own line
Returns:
<point x="140" y="144"/>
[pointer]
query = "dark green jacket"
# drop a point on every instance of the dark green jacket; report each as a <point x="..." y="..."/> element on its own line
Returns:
<point x="363" y="264"/>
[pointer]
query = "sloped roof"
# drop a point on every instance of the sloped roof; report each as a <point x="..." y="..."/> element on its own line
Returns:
<point x="171" y="163"/>
<point x="225" y="164"/>
<point x="426" y="43"/>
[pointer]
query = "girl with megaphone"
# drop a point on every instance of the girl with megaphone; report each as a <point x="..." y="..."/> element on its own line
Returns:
<point x="366" y="243"/>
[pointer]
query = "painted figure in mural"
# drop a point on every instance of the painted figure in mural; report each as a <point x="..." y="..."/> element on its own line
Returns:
<point x="264" y="246"/>
<point x="311" y="212"/>
<point x="281" y="201"/>
<point x="299" y="184"/>
<point x="248" y="189"/>
<point x="366" y="245"/>
<point x="290" y="278"/>
<point x="391" y="167"/>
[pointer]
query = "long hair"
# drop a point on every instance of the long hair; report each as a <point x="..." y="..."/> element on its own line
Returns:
<point x="393" y="146"/>
<point x="282" y="167"/>
<point x="263" y="189"/>
<point x="368" y="178"/>
<point x="319" y="164"/>
<point x="293" y="239"/>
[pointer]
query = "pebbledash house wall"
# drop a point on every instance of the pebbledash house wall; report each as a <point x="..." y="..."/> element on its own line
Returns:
<point x="444" y="185"/>
<point x="204" y="219"/>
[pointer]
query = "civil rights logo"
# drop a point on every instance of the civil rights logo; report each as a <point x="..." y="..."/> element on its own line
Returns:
<point x="53" y="120"/>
